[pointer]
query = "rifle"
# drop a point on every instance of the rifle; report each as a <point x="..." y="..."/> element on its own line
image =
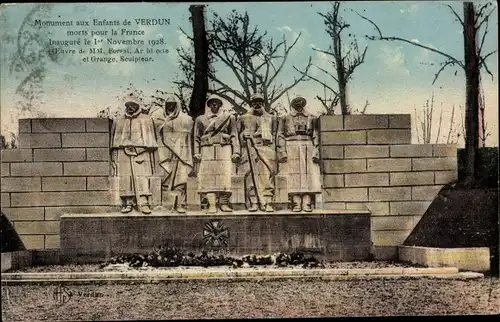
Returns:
<point x="252" y="170"/>
<point x="134" y="181"/>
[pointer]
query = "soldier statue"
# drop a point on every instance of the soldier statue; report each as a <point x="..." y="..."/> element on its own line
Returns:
<point x="216" y="147"/>
<point x="261" y="147"/>
<point x="133" y="144"/>
<point x="302" y="146"/>
<point x="173" y="128"/>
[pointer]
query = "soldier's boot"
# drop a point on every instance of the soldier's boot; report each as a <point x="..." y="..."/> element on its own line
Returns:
<point x="268" y="204"/>
<point x="306" y="203"/>
<point x="254" y="206"/>
<point x="224" y="202"/>
<point x="180" y="206"/>
<point x="296" y="203"/>
<point x="126" y="205"/>
<point x="212" y="207"/>
<point x="143" y="205"/>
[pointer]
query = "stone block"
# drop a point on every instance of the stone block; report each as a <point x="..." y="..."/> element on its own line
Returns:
<point x="101" y="183"/>
<point x="390" y="136"/>
<point x="63" y="183"/>
<point x="89" y="168"/>
<point x="389" y="238"/>
<point x="385" y="253"/>
<point x="54" y="213"/>
<point x="388" y="165"/>
<point x="400" y="121"/>
<point x="24" y="125"/>
<point x="362" y="122"/>
<point x="438" y="163"/>
<point x="39" y="140"/>
<point x="5" y="169"/>
<point x="343" y="138"/>
<point x="334" y="206"/>
<point x="475" y="259"/>
<point x="411" y="150"/>
<point x="63" y="198"/>
<point x="409" y="207"/>
<point x="376" y="208"/>
<point x="345" y="194"/>
<point x="59" y="154"/>
<point x="444" y="150"/>
<point x="344" y="166"/>
<point x="331" y="123"/>
<point x="333" y="180"/>
<point x="327" y="234"/>
<point x="85" y="140"/>
<point x="36" y="227"/>
<point x="412" y="178"/>
<point x="51" y="125"/>
<point x="98" y="154"/>
<point x="389" y="194"/>
<point x="425" y="192"/>
<point x="33" y="241"/>
<point x="332" y="152"/>
<point x="98" y="125"/>
<point x="25" y="214"/>
<point x="16" y="155"/>
<point x="366" y="179"/>
<point x="366" y="151"/>
<point x="5" y="197"/>
<point x="52" y="241"/>
<point x="380" y="223"/>
<point x="445" y="177"/>
<point x="10" y="184"/>
<point x="36" y="169"/>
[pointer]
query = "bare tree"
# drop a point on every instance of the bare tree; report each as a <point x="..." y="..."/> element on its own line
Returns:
<point x="484" y="133"/>
<point x="424" y="123"/>
<point x="473" y="23"/>
<point x="346" y="58"/>
<point x="252" y="58"/>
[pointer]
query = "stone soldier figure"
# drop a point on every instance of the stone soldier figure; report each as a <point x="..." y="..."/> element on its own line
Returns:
<point x="261" y="146"/>
<point x="302" y="146"/>
<point x="173" y="129"/>
<point x="133" y="143"/>
<point x="216" y="147"/>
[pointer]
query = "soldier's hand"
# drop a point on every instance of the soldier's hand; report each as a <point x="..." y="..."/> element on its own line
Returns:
<point x="130" y="150"/>
<point x="197" y="157"/>
<point x="236" y="158"/>
<point x="316" y="158"/>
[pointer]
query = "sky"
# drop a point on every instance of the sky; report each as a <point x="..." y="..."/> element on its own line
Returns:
<point x="395" y="77"/>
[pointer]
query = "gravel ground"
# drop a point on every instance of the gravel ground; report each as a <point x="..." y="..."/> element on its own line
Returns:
<point x="203" y="299"/>
<point x="97" y="268"/>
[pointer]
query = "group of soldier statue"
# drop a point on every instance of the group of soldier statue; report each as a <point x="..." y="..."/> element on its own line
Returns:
<point x="260" y="144"/>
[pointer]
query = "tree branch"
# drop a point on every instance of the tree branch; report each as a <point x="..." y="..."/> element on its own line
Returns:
<point x="456" y="15"/>
<point x="381" y="37"/>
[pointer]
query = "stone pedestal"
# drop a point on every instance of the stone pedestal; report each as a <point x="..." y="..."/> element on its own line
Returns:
<point x="340" y="235"/>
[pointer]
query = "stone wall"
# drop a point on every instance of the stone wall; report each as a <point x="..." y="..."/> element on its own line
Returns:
<point x="369" y="161"/>
<point x="61" y="166"/>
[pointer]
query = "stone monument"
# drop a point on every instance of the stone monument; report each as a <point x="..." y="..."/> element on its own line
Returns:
<point x="300" y="130"/>
<point x="216" y="147"/>
<point x="133" y="143"/>
<point x="262" y="145"/>
<point x="173" y="130"/>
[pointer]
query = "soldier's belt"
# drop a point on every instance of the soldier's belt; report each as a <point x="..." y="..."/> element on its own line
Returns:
<point x="298" y="138"/>
<point x="260" y="141"/>
<point x="216" y="139"/>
